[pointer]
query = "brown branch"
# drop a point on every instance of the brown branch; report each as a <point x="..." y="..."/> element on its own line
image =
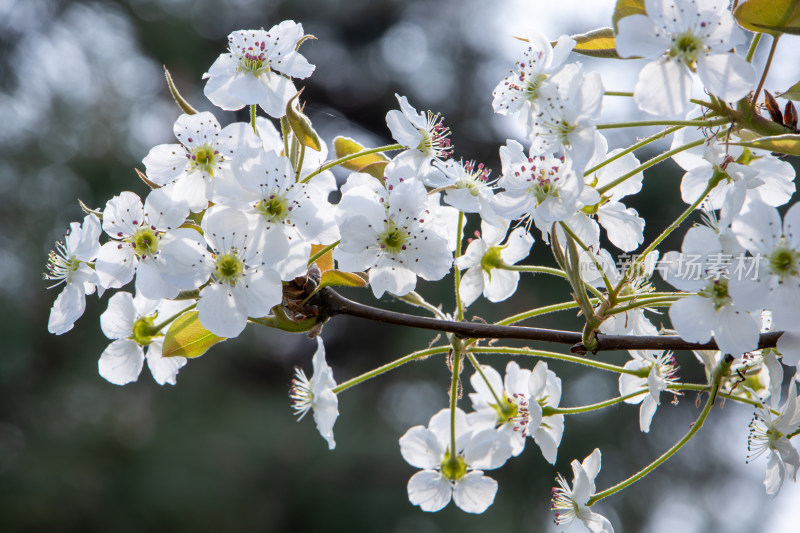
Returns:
<point x="335" y="304"/>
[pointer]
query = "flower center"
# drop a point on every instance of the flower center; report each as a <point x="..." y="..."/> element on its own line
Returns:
<point x="145" y="242"/>
<point x="453" y="468"/>
<point x="393" y="239"/>
<point x="532" y="85"/>
<point x="143" y="330"/>
<point x="435" y="141"/>
<point x="491" y="259"/>
<point x="253" y="59"/>
<point x="204" y="159"/>
<point x="783" y="261"/>
<point x="686" y="47"/>
<point x="717" y="290"/>
<point x="273" y="208"/>
<point x="60" y="265"/>
<point x="229" y="268"/>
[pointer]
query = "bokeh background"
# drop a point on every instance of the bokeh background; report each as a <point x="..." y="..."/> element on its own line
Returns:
<point x="83" y="99"/>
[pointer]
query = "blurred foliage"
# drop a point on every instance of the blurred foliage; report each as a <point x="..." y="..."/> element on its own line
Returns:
<point x="82" y="100"/>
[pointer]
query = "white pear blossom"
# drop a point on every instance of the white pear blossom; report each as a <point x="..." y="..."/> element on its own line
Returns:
<point x="701" y="268"/>
<point x="566" y="118"/>
<point x="70" y="264"/>
<point x="244" y="282"/>
<point x="570" y="503"/>
<point x="298" y="213"/>
<point x="504" y="403"/>
<point x="543" y="187"/>
<point x="774" y="282"/>
<point x="396" y="233"/>
<point x="453" y="474"/>
<point x="544" y="388"/>
<point x="531" y="81"/>
<point x="484" y="260"/>
<point x="253" y="70"/>
<point x="686" y="36"/>
<point x="743" y="174"/>
<point x="196" y="168"/>
<point x="467" y="188"/>
<point x="132" y="324"/>
<point x="769" y="434"/>
<point x="139" y="234"/>
<point x="317" y="394"/>
<point x="424" y="136"/>
<point x="624" y="227"/>
<point x="661" y="370"/>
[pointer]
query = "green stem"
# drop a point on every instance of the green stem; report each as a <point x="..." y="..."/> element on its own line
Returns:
<point x="323" y="252"/>
<point x="537" y="312"/>
<point x="547" y="270"/>
<point x="356" y="155"/>
<point x="772" y="48"/>
<point x="619" y="93"/>
<point x="550" y="411"/>
<point x="422" y="354"/>
<point x="643" y="302"/>
<point x="649" y="163"/>
<point x="753" y="46"/>
<point x="720" y="372"/>
<point x="664" y="234"/>
<point x="456" y="271"/>
<point x="456" y="362"/>
<point x="633" y="148"/>
<point x="641" y="123"/>
<point x="253" y="109"/>
<point x="552" y="355"/>
<point x="155" y="329"/>
<point x="500" y="403"/>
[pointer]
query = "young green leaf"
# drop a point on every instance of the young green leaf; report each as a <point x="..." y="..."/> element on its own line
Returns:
<point x="184" y="106"/>
<point x="372" y="164"/>
<point x="784" y="144"/>
<point x="597" y="43"/>
<point x="769" y="16"/>
<point x="626" y="8"/>
<point x="301" y="125"/>
<point x="188" y="338"/>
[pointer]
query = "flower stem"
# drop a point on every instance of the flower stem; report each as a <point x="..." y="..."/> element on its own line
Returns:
<point x="658" y="159"/>
<point x="349" y="157"/>
<point x="550" y="411"/>
<point x="480" y="371"/>
<point x="552" y="355"/>
<point x="158" y="327"/>
<point x="456" y="368"/>
<point x="772" y="48"/>
<point x="547" y="270"/>
<point x="719" y="373"/>
<point x="421" y="354"/>
<point x="253" y="109"/>
<point x="632" y="148"/>
<point x="664" y="234"/>
<point x="323" y="252"/>
<point x="641" y="123"/>
<point x="618" y="93"/>
<point x="753" y="46"/>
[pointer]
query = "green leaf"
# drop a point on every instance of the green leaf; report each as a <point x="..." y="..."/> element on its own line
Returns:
<point x="793" y="93"/>
<point x="148" y="182"/>
<point x="597" y="43"/>
<point x="769" y="16"/>
<point x="626" y="8"/>
<point x="784" y="144"/>
<point x="188" y="338"/>
<point x="342" y="279"/>
<point x="180" y="100"/>
<point x="301" y="125"/>
<point x="372" y="164"/>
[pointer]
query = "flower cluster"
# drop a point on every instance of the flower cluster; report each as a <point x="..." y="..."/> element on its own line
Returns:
<point x="239" y="228"/>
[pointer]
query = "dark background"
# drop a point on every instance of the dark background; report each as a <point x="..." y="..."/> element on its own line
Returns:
<point x="82" y="100"/>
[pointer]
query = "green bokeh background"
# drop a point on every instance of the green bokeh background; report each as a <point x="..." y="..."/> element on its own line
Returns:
<point x="82" y="100"/>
